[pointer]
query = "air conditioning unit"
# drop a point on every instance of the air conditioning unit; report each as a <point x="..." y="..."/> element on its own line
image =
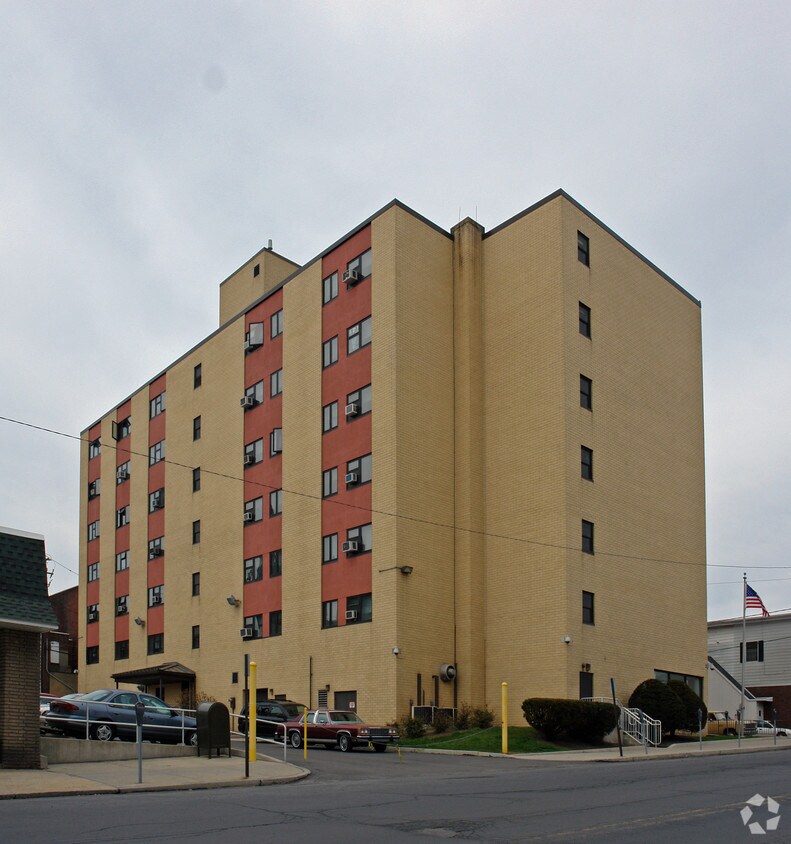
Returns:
<point x="155" y="599"/>
<point x="247" y="401"/>
<point x="122" y="474"/>
<point x="122" y="611"/>
<point x="247" y="345"/>
<point x="158" y="503"/>
<point x="247" y="632"/>
<point x="248" y="517"/>
<point x="155" y="552"/>
<point x="351" y="277"/>
<point x="352" y="409"/>
<point x="352" y="477"/>
<point x="249" y="459"/>
<point x="351" y="615"/>
<point x="349" y="547"/>
<point x="93" y="616"/>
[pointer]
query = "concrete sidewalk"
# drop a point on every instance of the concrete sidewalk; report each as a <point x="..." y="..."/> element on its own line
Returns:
<point x="168" y="774"/>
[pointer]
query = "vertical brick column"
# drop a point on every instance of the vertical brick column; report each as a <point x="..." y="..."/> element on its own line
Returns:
<point x="20" y="667"/>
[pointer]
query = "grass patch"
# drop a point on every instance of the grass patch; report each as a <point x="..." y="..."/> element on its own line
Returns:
<point x="520" y="740"/>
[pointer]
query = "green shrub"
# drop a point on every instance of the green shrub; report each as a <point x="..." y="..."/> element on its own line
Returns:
<point x="463" y="716"/>
<point x="482" y="717"/>
<point x="578" y="719"/>
<point x="412" y="728"/>
<point x="659" y="701"/>
<point x="692" y="703"/>
<point x="442" y="722"/>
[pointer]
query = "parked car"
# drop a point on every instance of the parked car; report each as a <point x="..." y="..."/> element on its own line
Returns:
<point x="766" y="728"/>
<point x="342" y="729"/>
<point x="721" y="724"/>
<point x="111" y="714"/>
<point x="279" y="711"/>
<point x="43" y="710"/>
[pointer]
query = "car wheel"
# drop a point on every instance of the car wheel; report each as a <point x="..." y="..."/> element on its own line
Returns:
<point x="345" y="743"/>
<point x="782" y="733"/>
<point x="729" y="733"/>
<point x="192" y="740"/>
<point x="380" y="748"/>
<point x="296" y="739"/>
<point x="104" y="732"/>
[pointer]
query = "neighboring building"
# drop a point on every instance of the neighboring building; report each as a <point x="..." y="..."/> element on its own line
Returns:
<point x="767" y="670"/>
<point x="474" y="448"/>
<point x="25" y="613"/>
<point x="59" y="647"/>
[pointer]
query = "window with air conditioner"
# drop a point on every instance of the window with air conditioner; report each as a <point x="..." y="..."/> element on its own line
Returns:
<point x="253" y="453"/>
<point x="156" y="595"/>
<point x="358" y="471"/>
<point x="253" y="510"/>
<point x="362" y="536"/>
<point x="361" y="605"/>
<point x="358" y="335"/>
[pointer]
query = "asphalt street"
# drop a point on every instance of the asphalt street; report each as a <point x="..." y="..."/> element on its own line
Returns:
<point x="364" y="796"/>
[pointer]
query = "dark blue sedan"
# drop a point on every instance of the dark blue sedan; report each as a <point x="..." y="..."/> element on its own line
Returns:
<point x="111" y="714"/>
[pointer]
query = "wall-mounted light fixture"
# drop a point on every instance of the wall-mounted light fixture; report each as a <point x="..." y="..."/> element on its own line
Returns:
<point x="402" y="569"/>
<point x="233" y="601"/>
<point x="567" y="639"/>
<point x="139" y="622"/>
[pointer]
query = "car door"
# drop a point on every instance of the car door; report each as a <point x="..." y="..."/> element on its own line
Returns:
<point x="321" y="729"/>
<point x="158" y="719"/>
<point x="121" y="711"/>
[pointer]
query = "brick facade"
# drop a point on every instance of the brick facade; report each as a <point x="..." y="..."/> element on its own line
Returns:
<point x="19" y="695"/>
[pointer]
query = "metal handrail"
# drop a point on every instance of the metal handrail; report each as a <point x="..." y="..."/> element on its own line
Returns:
<point x="263" y="740"/>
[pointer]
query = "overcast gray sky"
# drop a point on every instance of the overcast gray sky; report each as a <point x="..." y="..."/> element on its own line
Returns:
<point x="147" y="149"/>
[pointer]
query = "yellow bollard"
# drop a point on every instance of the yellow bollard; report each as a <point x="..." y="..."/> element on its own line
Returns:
<point x="252" y="713"/>
<point x="305" y="735"/>
<point x="505" y="718"/>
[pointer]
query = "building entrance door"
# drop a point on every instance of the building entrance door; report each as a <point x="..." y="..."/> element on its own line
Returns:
<point x="346" y="700"/>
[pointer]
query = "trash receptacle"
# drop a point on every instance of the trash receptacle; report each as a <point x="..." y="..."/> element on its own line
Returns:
<point x="214" y="727"/>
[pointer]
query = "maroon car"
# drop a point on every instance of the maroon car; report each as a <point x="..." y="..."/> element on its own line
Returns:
<point x="342" y="729"/>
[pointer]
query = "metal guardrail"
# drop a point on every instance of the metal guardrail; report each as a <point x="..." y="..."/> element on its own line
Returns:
<point x="263" y="739"/>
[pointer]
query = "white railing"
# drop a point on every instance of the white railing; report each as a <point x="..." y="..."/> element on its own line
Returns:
<point x="634" y="722"/>
<point x="263" y="740"/>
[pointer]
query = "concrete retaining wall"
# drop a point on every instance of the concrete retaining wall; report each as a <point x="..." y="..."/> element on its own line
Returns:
<point x="61" y="750"/>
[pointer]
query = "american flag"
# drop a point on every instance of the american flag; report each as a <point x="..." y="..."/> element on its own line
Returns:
<point x="753" y="601"/>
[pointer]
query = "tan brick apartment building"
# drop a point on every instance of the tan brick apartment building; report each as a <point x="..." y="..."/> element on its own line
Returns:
<point x="515" y="416"/>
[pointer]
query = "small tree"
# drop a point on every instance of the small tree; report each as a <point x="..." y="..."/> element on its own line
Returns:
<point x="692" y="703"/>
<point x="659" y="701"/>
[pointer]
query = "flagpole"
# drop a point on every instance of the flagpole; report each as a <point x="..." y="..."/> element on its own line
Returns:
<point x="744" y="651"/>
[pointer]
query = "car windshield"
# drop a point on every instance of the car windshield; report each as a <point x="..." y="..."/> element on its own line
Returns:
<point x="346" y="717"/>
<point x="101" y="694"/>
<point x="294" y="710"/>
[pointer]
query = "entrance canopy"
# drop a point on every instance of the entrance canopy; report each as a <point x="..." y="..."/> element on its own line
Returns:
<point x="156" y="675"/>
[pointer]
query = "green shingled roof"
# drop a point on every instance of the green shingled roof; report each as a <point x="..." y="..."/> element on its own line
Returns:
<point x="23" y="581"/>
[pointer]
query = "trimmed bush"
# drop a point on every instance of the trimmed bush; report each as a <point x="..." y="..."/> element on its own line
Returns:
<point x="692" y="703"/>
<point x="412" y="728"/>
<point x="659" y="701"/>
<point x="578" y="719"/>
<point x="482" y="717"/>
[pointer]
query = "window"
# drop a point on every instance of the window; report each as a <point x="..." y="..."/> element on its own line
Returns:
<point x="358" y="335"/>
<point x="195" y="636"/>
<point x="254" y="338"/>
<point x="122" y="649"/>
<point x="253" y="453"/>
<point x="156" y="547"/>
<point x="196" y="532"/>
<point x="695" y="683"/>
<point x="276" y="623"/>
<point x="94" y="449"/>
<point x="276" y="383"/>
<point x="92" y="655"/>
<point x="195" y="584"/>
<point x="276" y="502"/>
<point x="196" y="423"/>
<point x="158" y="405"/>
<point x="156" y="453"/>
<point x="256" y="393"/>
<point x="93" y="530"/>
<point x="197" y="376"/>
<point x="330" y="288"/>
<point x="275" y="442"/>
<point x="362" y="263"/>
<point x="156" y="643"/>
<point x="253" y="570"/>
<point x="122" y="605"/>
<point x="361" y="606"/>
<point x="122" y="516"/>
<point x="276" y="324"/>
<point x="358" y="403"/>
<point x="583" y="249"/>
<point x="329" y="614"/>
<point x="93" y="571"/>
<point x="276" y="563"/>
<point x="587" y="537"/>
<point x="358" y="471"/>
<point x="586" y="393"/>
<point x="253" y="510"/>
<point x="93" y="613"/>
<point x="156" y="595"/>
<point x="329" y="482"/>
<point x="585" y="320"/>
<point x="587" y="608"/>
<point x="586" y="685"/>
<point x="196" y="479"/>
<point x="256" y="270"/>
<point x="329" y="353"/>
<point x="363" y="536"/>
<point x="234" y="677"/>
<point x="122" y="473"/>
<point x="329" y="417"/>
<point x="329" y="548"/>
<point x="156" y="500"/>
<point x="121" y="430"/>
<point x="94" y="489"/>
<point x="122" y="561"/>
<point x="755" y="651"/>
<point x="586" y="462"/>
<point x="254" y="623"/>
